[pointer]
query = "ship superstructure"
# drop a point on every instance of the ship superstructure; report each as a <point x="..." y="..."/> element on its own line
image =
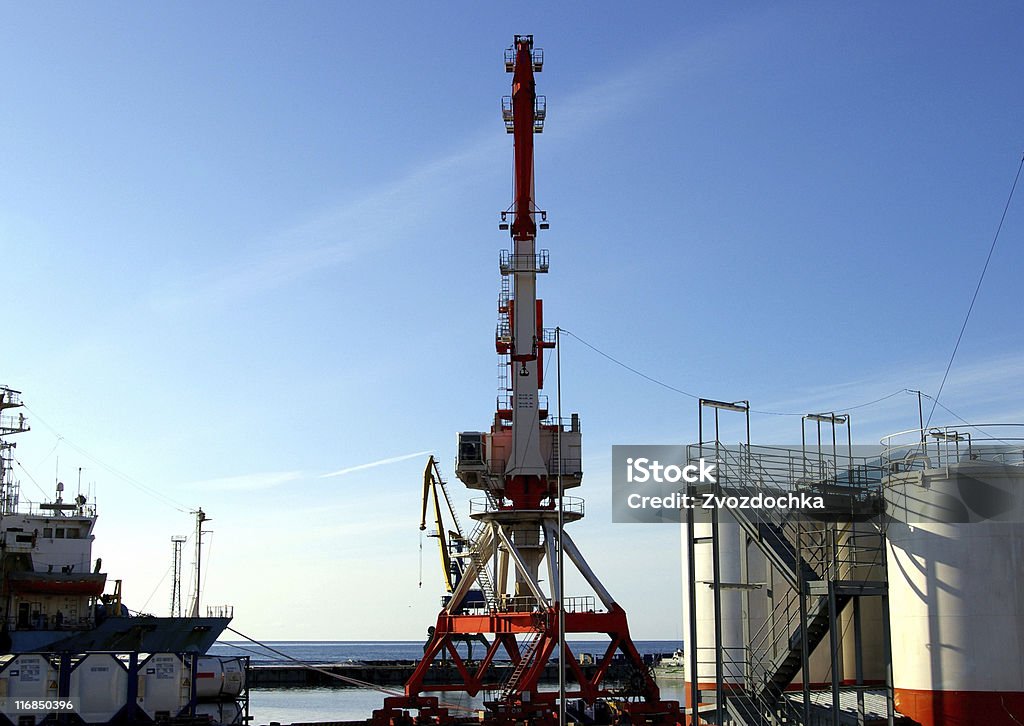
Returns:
<point x="52" y="590"/>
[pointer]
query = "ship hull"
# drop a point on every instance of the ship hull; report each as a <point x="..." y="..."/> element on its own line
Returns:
<point x="146" y="634"/>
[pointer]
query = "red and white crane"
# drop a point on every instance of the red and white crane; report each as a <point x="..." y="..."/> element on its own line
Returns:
<point x="523" y="465"/>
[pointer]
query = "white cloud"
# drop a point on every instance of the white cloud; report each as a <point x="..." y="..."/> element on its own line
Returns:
<point x="373" y="464"/>
<point x="262" y="480"/>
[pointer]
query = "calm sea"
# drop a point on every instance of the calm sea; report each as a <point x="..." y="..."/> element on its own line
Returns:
<point x="298" y="705"/>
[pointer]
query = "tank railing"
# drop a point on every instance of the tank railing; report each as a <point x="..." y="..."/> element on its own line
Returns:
<point x="767" y="641"/>
<point x="741" y="691"/>
<point x="791" y="469"/>
<point x="847" y="556"/>
<point x="938" y="446"/>
<point x="769" y="473"/>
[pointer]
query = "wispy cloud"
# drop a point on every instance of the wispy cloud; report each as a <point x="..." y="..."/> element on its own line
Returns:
<point x="373" y="464"/>
<point x="339" y="233"/>
<point x="976" y="390"/>
<point x="262" y="480"/>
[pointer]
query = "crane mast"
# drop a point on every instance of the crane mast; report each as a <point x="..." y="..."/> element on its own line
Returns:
<point x="526" y="469"/>
<point x="523" y="465"/>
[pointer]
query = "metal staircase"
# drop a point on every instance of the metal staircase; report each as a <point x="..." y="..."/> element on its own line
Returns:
<point x="483" y="578"/>
<point x="508" y="688"/>
<point x="813" y="557"/>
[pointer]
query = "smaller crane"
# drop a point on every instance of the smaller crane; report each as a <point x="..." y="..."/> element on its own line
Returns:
<point x="453" y="545"/>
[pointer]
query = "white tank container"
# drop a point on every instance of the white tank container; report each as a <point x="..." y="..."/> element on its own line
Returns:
<point x="100" y="682"/>
<point x="762" y="601"/>
<point x="732" y="615"/>
<point x="219" y="677"/>
<point x="226" y="713"/>
<point x="165" y="684"/>
<point x="957" y="594"/>
<point x="28" y="676"/>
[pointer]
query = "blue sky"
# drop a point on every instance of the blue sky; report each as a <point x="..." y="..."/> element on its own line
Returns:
<point x="249" y="245"/>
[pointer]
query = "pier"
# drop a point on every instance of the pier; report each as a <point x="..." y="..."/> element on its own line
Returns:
<point x="394" y="673"/>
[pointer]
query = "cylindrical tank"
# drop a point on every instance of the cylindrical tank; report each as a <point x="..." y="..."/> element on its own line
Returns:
<point x="732" y="613"/>
<point x="860" y="546"/>
<point x="224" y="713"/>
<point x="956" y="584"/>
<point x="100" y="683"/>
<point x="219" y="677"/>
<point x="28" y="676"/>
<point x="165" y="684"/>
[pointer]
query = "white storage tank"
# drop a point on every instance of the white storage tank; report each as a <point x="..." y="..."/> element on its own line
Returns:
<point x="28" y="676"/>
<point x="732" y="614"/>
<point x="956" y="582"/>
<point x="100" y="683"/>
<point x="219" y="677"/>
<point x="165" y="684"/>
<point x="225" y="713"/>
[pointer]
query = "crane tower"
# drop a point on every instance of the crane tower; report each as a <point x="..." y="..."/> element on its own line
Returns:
<point x="522" y="466"/>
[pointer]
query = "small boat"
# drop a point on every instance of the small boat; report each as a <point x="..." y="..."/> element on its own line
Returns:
<point x="671" y="667"/>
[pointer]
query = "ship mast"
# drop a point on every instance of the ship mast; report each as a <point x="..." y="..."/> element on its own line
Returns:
<point x="9" y="424"/>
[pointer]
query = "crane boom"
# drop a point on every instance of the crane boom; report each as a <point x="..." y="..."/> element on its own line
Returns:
<point x="524" y="99"/>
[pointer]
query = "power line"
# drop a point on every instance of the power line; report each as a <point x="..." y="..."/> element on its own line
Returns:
<point x="163" y="498"/>
<point x="977" y="289"/>
<point x="331" y="674"/>
<point x="680" y="391"/>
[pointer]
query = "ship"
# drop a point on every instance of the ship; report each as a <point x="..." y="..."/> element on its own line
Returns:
<point x="671" y="667"/>
<point x="54" y="597"/>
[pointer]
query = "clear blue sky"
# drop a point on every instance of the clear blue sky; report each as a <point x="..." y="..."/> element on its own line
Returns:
<point x="246" y="245"/>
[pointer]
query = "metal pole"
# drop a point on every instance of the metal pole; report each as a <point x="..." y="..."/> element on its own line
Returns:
<point x="859" y="655"/>
<point x="691" y="556"/>
<point x="716" y="569"/>
<point x="200" y="518"/>
<point x="920" y="419"/>
<point x="833" y="631"/>
<point x="561" y="547"/>
<point x="805" y="655"/>
<point x="890" y="710"/>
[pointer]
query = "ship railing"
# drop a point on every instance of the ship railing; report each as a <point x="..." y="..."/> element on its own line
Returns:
<point x="47" y="622"/>
<point x="13" y="398"/>
<point x="13" y="424"/>
<point x="220" y="611"/>
<point x="35" y="508"/>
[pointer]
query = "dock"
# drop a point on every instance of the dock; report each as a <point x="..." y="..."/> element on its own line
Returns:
<point x="394" y="673"/>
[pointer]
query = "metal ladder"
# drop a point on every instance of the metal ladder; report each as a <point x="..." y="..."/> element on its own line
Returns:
<point x="483" y="578"/>
<point x="508" y="688"/>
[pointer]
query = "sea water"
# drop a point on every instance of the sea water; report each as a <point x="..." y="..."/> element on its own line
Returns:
<point x="304" y="705"/>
